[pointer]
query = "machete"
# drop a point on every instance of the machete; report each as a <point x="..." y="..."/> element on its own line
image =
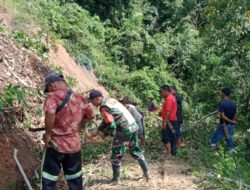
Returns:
<point x="37" y="129"/>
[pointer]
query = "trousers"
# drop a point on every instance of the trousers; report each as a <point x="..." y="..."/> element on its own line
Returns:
<point x="120" y="143"/>
<point x="52" y="163"/>
<point x="219" y="134"/>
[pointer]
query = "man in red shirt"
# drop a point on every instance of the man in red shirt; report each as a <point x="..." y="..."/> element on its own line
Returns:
<point x="62" y="139"/>
<point x="169" y="120"/>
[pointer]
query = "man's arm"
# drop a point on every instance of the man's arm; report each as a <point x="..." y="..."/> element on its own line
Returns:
<point x="49" y="124"/>
<point x="225" y="118"/>
<point x="88" y="113"/>
<point x="222" y="115"/>
<point x="50" y="106"/>
<point x="109" y="120"/>
<point x="165" y="121"/>
<point x="168" y="109"/>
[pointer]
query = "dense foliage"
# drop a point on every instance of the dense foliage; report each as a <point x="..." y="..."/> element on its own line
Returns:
<point x="137" y="45"/>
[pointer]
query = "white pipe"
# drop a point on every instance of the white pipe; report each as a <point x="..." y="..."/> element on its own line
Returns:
<point x="21" y="170"/>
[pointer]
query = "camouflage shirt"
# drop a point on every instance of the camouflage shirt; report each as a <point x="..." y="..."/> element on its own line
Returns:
<point x="116" y="119"/>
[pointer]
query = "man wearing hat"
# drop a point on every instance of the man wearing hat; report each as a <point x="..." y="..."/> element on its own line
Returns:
<point x="120" y="124"/>
<point x="65" y="112"/>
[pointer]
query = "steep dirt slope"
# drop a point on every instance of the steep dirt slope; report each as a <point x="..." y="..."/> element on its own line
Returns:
<point x="19" y="67"/>
<point x="58" y="56"/>
<point x="27" y="155"/>
<point x="86" y="80"/>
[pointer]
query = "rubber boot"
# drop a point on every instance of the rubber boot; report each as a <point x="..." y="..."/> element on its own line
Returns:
<point x="116" y="174"/>
<point x="144" y="167"/>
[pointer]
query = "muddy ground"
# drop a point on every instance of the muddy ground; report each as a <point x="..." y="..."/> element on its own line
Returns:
<point x="164" y="175"/>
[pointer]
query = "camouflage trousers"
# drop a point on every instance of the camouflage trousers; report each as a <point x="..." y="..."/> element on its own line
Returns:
<point x="119" y="146"/>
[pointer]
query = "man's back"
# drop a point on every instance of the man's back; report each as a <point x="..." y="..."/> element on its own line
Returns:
<point x="68" y="120"/>
<point x="228" y="107"/>
<point x="134" y="112"/>
<point x="179" y="107"/>
<point x="151" y="106"/>
<point x="122" y="117"/>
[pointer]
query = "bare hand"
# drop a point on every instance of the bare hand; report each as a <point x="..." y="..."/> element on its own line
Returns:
<point x="164" y="124"/>
<point x="95" y="138"/>
<point x="46" y="140"/>
<point x="234" y="122"/>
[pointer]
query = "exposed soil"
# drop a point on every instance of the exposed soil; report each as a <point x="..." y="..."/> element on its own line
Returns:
<point x="58" y="56"/>
<point x="86" y="80"/>
<point x="19" y="67"/>
<point x="27" y="155"/>
<point x="165" y="175"/>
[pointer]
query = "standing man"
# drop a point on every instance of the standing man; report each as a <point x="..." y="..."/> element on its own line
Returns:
<point x="169" y="120"/>
<point x="137" y="116"/>
<point x="65" y="112"/>
<point x="179" y="116"/>
<point x="120" y="124"/>
<point x="151" y="104"/>
<point x="227" y="110"/>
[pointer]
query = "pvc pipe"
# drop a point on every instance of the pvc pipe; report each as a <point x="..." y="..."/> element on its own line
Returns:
<point x="21" y="170"/>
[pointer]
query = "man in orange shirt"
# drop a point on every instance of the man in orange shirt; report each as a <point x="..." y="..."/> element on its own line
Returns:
<point x="169" y="120"/>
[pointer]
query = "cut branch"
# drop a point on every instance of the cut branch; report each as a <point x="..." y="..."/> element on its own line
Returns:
<point x="202" y="119"/>
<point x="14" y="74"/>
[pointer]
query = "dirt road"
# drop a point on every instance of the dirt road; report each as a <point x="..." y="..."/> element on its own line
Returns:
<point x="167" y="175"/>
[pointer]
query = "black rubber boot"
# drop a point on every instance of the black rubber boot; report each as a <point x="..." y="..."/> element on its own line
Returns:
<point x="116" y="174"/>
<point x="144" y="167"/>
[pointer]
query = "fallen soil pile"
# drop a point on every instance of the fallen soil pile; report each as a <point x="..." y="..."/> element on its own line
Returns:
<point x="27" y="155"/>
<point x="86" y="80"/>
<point x="58" y="57"/>
<point x="19" y="67"/>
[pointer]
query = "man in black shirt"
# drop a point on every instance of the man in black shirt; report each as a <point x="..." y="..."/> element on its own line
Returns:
<point x="151" y="104"/>
<point x="179" y="115"/>
<point x="227" y="110"/>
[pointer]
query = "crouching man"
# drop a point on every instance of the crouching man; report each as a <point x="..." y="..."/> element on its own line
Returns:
<point x="120" y="124"/>
<point x="65" y="112"/>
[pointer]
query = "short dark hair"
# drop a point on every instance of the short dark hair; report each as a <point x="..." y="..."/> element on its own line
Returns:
<point x="125" y="100"/>
<point x="94" y="94"/>
<point x="226" y="91"/>
<point x="166" y="88"/>
<point x="173" y="88"/>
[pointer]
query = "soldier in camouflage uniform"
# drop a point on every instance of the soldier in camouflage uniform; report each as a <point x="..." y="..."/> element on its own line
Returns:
<point x="120" y="124"/>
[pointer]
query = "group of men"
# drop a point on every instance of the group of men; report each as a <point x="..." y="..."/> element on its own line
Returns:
<point x="66" y="112"/>
<point x="172" y="119"/>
